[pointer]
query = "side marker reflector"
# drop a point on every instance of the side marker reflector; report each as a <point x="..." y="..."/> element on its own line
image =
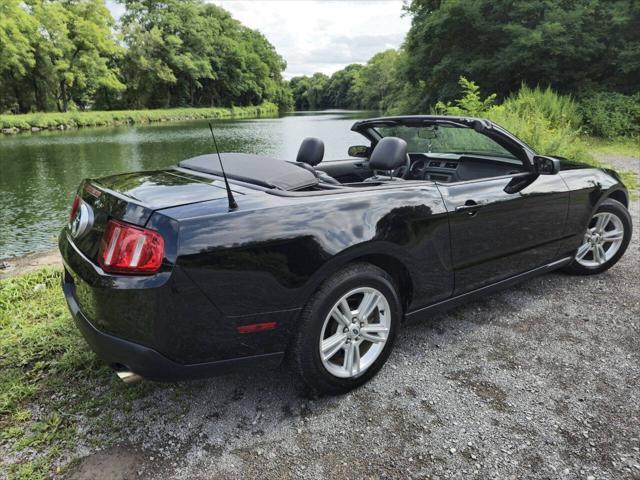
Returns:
<point x="257" y="327"/>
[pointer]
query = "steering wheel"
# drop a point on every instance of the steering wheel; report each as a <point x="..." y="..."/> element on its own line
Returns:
<point x="405" y="170"/>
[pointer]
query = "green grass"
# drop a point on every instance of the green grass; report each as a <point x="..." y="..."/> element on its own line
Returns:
<point x="125" y="117"/>
<point x="48" y="377"/>
<point x="626" y="147"/>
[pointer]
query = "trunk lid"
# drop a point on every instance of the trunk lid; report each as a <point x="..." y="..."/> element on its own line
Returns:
<point x="163" y="188"/>
<point x="133" y="197"/>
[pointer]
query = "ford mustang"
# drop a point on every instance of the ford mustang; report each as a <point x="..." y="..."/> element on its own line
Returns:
<point x="234" y="261"/>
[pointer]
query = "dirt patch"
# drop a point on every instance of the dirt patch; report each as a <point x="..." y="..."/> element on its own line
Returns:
<point x="118" y="463"/>
<point x="10" y="267"/>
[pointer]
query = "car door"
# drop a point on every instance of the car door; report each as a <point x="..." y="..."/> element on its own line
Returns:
<point x="503" y="226"/>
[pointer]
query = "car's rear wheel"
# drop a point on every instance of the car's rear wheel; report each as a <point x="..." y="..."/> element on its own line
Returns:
<point x="605" y="240"/>
<point x="347" y="329"/>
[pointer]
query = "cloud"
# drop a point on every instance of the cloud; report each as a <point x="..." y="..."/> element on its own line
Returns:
<point x="323" y="36"/>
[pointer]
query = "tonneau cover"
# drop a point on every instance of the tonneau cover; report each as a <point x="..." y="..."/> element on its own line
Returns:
<point x="256" y="169"/>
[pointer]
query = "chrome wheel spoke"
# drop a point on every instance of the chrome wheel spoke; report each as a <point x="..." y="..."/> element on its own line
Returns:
<point x="372" y="338"/>
<point x="374" y="333"/>
<point x="601" y="254"/>
<point x="602" y="221"/>
<point x="613" y="235"/>
<point x="583" y="250"/>
<point x="356" y="359"/>
<point x="367" y="305"/>
<point x="596" y="254"/>
<point x="332" y="345"/>
<point x="340" y="316"/>
<point x="348" y="358"/>
<point x="375" y="328"/>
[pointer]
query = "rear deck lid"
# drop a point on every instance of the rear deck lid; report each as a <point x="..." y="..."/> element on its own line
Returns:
<point x="254" y="169"/>
<point x="133" y="197"/>
<point x="163" y="188"/>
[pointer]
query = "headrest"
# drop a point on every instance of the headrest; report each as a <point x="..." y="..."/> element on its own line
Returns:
<point x="311" y="151"/>
<point x="389" y="154"/>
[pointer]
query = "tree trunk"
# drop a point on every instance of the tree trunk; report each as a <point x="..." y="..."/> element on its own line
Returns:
<point x="63" y="96"/>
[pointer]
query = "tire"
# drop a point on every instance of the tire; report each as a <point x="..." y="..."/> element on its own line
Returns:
<point x="322" y="320"/>
<point x="586" y="260"/>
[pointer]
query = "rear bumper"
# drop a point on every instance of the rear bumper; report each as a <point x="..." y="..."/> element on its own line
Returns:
<point x="148" y="363"/>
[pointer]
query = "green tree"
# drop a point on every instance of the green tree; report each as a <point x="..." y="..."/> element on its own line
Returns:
<point x="569" y="45"/>
<point x="341" y="88"/>
<point x="17" y="27"/>
<point x="374" y="86"/>
<point x="56" y="53"/>
<point x="310" y="93"/>
<point x="192" y="53"/>
<point x="378" y="83"/>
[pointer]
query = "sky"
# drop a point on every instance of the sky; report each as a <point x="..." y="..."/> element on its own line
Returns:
<point x="321" y="35"/>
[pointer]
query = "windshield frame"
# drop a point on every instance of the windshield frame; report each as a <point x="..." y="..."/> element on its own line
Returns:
<point x="506" y="155"/>
<point x="519" y="149"/>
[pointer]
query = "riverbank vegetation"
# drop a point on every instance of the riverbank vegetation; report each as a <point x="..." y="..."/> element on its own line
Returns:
<point x="55" y="120"/>
<point x="71" y="55"/>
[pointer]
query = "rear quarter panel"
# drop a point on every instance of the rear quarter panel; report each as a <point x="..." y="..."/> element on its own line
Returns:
<point x="273" y="252"/>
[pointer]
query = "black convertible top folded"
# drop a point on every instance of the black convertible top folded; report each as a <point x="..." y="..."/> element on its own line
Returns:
<point x="258" y="170"/>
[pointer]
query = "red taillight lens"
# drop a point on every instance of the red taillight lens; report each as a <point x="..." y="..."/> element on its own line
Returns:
<point x="74" y="208"/>
<point x="125" y="248"/>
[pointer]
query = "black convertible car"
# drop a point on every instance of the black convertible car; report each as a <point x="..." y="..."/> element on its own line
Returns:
<point x="196" y="270"/>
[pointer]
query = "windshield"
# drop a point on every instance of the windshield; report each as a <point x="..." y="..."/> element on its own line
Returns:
<point x="444" y="139"/>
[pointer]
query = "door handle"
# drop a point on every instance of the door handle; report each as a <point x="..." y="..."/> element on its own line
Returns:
<point x="470" y="207"/>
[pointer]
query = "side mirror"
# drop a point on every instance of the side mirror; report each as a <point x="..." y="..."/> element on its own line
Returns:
<point x="360" y="151"/>
<point x="546" y="165"/>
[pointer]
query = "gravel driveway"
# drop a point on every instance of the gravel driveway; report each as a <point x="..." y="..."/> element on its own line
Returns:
<point x="540" y="381"/>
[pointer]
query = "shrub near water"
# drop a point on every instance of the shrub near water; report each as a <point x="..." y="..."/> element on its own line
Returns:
<point x="117" y="117"/>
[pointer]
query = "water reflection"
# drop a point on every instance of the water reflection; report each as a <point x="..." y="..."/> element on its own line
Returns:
<point x="40" y="172"/>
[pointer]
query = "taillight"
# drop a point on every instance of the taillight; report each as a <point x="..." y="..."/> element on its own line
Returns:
<point x="74" y="208"/>
<point x="125" y="248"/>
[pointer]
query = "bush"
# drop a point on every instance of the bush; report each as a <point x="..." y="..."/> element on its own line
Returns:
<point x="95" y="118"/>
<point x="549" y="123"/>
<point x="611" y="115"/>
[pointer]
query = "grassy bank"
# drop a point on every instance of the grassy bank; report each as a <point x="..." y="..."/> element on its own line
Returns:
<point x="50" y="381"/>
<point x="624" y="147"/>
<point x="62" y="121"/>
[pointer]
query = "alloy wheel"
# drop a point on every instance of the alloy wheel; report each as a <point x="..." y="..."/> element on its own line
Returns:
<point x="602" y="240"/>
<point x="355" y="332"/>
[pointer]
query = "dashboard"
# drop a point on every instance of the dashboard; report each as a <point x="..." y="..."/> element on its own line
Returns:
<point x="455" y="168"/>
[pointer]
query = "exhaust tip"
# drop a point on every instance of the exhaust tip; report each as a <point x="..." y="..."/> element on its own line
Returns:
<point x="129" y="377"/>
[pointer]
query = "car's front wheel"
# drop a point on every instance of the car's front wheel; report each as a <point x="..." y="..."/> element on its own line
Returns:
<point x="605" y="240"/>
<point x="347" y="329"/>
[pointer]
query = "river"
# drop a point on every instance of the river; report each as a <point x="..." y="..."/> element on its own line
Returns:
<point x="40" y="172"/>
